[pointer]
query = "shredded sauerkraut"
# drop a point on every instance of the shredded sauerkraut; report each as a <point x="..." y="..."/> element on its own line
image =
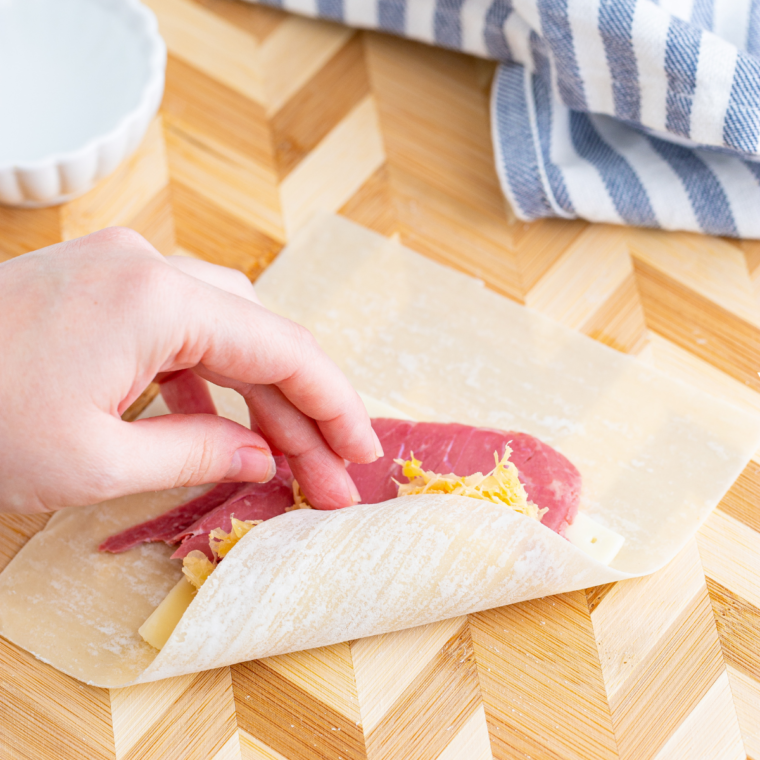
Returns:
<point x="221" y="542"/>
<point x="197" y="566"/>
<point x="299" y="499"/>
<point x="501" y="486"/>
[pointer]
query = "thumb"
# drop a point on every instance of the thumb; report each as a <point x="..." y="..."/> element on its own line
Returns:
<point x="187" y="450"/>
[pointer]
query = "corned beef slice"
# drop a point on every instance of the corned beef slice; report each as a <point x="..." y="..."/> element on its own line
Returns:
<point x="549" y="478"/>
<point x="167" y="525"/>
<point x="194" y="542"/>
<point x="255" y="501"/>
<point x="186" y="393"/>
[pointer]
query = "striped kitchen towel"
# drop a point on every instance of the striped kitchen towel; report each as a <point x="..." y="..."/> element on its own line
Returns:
<point x="623" y="111"/>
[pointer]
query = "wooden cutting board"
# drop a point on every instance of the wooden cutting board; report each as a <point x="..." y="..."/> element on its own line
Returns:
<point x="268" y="118"/>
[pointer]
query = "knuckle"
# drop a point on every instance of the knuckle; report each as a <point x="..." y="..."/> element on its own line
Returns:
<point x="199" y="462"/>
<point x="304" y="451"/>
<point x="146" y="280"/>
<point x="135" y="270"/>
<point x="240" y="279"/>
<point x="304" y="342"/>
<point x="124" y="237"/>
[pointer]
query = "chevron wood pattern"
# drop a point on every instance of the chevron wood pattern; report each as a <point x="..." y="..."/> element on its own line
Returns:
<point x="269" y="118"/>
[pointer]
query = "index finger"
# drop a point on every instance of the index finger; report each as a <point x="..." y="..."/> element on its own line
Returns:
<point x="236" y="340"/>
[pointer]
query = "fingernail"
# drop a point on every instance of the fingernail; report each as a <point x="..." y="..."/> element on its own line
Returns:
<point x="378" y="446"/>
<point x="251" y="465"/>
<point x="354" y="491"/>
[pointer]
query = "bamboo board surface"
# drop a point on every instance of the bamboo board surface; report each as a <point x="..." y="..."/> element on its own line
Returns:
<point x="268" y="118"/>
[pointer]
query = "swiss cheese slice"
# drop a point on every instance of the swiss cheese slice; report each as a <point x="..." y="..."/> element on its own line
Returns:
<point x="163" y="620"/>
<point x="600" y="543"/>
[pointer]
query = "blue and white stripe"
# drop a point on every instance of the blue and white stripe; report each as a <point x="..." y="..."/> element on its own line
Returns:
<point x="626" y="111"/>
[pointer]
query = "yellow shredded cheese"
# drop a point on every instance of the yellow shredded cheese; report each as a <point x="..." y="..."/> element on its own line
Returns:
<point x="501" y="485"/>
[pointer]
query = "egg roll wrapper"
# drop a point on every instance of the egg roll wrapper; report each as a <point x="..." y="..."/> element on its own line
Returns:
<point x="301" y="580"/>
<point x="656" y="456"/>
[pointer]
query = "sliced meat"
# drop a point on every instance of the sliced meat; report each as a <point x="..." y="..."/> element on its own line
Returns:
<point x="550" y="479"/>
<point x="197" y="543"/>
<point x="255" y="501"/>
<point x="169" y="524"/>
<point x="186" y="393"/>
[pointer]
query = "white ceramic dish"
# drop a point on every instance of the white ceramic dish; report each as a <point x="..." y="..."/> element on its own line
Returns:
<point x="80" y="81"/>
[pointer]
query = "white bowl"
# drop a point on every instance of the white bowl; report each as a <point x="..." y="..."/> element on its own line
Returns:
<point x="80" y="81"/>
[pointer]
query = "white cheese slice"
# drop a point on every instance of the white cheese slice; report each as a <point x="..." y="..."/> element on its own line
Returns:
<point x="600" y="543"/>
<point x="163" y="620"/>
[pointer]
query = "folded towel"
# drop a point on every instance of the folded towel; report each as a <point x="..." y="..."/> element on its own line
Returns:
<point x="622" y="111"/>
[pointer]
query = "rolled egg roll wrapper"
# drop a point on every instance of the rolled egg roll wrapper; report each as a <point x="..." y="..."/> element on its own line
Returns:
<point x="655" y="455"/>
<point x="301" y="580"/>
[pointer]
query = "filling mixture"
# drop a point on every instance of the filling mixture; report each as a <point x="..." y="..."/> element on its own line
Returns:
<point x="513" y="469"/>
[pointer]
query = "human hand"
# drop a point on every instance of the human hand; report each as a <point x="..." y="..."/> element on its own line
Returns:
<point x="86" y="325"/>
